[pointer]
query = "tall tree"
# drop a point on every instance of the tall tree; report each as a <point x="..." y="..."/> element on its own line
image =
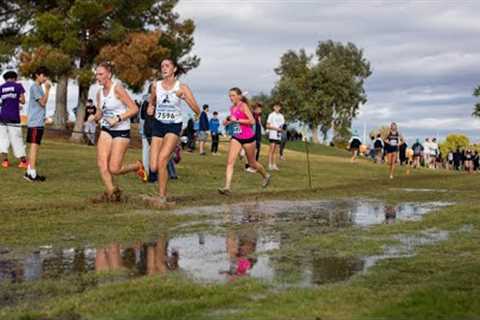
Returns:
<point x="325" y="93"/>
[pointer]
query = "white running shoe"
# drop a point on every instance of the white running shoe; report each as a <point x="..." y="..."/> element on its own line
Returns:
<point x="251" y="170"/>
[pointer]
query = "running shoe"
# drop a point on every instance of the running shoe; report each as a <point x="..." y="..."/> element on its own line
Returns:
<point x="251" y="170"/>
<point x="23" y="165"/>
<point x="101" y="198"/>
<point x="117" y="196"/>
<point x="37" y="178"/>
<point x="266" y="181"/>
<point x="141" y="172"/>
<point x="224" y="191"/>
<point x="159" y="202"/>
<point x="5" y="164"/>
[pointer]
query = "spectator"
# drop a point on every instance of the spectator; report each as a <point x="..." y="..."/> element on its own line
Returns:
<point x="457" y="159"/>
<point x="417" y="153"/>
<point x="354" y="145"/>
<point x="190" y="133"/>
<point x="214" y="126"/>
<point x="434" y="152"/>
<point x="203" y="129"/>
<point x="90" y="126"/>
<point x="378" y="146"/>
<point x="402" y="150"/>
<point x="12" y="94"/>
<point x="275" y="122"/>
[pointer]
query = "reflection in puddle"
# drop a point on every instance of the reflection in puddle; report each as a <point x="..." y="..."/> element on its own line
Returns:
<point x="250" y="232"/>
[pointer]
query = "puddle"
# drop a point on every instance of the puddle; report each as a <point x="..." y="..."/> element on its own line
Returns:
<point x="240" y="246"/>
<point x="335" y="213"/>
<point x="407" y="246"/>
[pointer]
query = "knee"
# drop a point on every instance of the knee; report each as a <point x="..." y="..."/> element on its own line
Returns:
<point x="162" y="161"/>
<point x="114" y="169"/>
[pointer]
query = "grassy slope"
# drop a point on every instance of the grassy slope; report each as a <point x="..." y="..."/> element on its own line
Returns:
<point x="442" y="281"/>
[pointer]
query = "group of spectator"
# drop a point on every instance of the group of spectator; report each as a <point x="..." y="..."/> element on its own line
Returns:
<point x="428" y="155"/>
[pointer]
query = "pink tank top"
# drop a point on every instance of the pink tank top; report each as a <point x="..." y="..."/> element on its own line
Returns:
<point x="246" y="130"/>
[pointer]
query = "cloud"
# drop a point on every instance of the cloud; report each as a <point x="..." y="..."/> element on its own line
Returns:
<point x="422" y="53"/>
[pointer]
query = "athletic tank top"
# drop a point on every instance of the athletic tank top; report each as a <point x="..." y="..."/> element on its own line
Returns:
<point x="168" y="104"/>
<point x="111" y="107"/>
<point x="393" y="139"/>
<point x="245" y="131"/>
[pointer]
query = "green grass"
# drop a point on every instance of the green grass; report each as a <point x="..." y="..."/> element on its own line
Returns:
<point x="441" y="281"/>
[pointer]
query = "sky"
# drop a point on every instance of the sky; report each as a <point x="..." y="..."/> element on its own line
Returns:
<point x="423" y="55"/>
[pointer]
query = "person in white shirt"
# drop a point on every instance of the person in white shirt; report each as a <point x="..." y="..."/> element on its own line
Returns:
<point x="275" y="121"/>
<point x="427" y="152"/>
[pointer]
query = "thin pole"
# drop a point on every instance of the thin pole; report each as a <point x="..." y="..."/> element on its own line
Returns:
<point x="309" y="173"/>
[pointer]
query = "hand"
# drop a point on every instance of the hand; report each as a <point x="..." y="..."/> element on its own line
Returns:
<point x="112" y="121"/>
<point x="91" y="118"/>
<point x="233" y="119"/>
<point x="150" y="110"/>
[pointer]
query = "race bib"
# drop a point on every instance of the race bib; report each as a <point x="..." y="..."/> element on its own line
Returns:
<point x="233" y="129"/>
<point x="107" y="114"/>
<point x="166" y="113"/>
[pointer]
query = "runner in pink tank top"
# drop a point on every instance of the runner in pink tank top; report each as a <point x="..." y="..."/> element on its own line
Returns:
<point x="239" y="124"/>
<point x="246" y="130"/>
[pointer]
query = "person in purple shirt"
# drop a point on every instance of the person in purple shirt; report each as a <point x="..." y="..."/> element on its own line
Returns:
<point x="12" y="95"/>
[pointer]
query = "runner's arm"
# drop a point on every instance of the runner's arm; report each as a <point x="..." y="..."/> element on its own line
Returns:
<point x="123" y="96"/>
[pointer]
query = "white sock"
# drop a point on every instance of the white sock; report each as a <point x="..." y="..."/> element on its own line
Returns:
<point x="32" y="172"/>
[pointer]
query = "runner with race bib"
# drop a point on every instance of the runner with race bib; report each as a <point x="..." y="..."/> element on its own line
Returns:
<point x="240" y="126"/>
<point x="165" y="99"/>
<point x="392" y="141"/>
<point x="116" y="109"/>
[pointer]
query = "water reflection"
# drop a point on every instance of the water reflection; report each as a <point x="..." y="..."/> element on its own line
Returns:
<point x="390" y="214"/>
<point x="241" y="247"/>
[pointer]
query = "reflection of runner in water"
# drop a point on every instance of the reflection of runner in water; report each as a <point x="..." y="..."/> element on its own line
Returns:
<point x="165" y="100"/>
<point x="115" y="108"/>
<point x="392" y="142"/>
<point x="158" y="260"/>
<point x="108" y="258"/>
<point x="239" y="124"/>
<point x="390" y="214"/>
<point x="241" y="246"/>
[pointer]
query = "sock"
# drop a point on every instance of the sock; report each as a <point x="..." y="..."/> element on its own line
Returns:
<point x="152" y="176"/>
<point x="32" y="172"/>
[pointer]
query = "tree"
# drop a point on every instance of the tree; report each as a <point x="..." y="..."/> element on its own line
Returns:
<point x="81" y="28"/>
<point x="476" y="111"/>
<point x="326" y="92"/>
<point x="454" y="142"/>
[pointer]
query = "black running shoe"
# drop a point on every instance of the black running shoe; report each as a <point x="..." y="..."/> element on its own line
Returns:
<point x="32" y="179"/>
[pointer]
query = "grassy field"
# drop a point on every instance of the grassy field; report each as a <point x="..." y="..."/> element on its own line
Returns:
<point x="441" y="281"/>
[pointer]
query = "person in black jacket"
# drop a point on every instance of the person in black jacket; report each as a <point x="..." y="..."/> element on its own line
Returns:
<point x="203" y="129"/>
<point x="402" y="150"/>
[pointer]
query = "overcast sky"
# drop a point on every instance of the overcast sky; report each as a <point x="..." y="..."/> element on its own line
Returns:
<point x="423" y="53"/>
